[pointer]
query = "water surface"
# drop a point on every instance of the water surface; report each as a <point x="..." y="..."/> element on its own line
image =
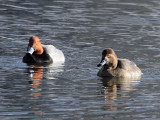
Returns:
<point x="81" y="29"/>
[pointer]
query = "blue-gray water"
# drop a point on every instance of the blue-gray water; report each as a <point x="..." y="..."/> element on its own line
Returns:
<point x="81" y="29"/>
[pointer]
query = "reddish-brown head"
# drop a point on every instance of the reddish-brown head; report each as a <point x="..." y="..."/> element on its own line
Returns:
<point x="35" y="46"/>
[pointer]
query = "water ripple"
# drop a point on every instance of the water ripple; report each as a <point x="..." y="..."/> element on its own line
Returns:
<point x="81" y="29"/>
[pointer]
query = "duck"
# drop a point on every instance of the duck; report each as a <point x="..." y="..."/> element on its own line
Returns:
<point x="116" y="67"/>
<point x="42" y="54"/>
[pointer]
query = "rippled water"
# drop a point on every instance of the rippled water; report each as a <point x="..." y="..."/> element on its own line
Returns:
<point x="81" y="29"/>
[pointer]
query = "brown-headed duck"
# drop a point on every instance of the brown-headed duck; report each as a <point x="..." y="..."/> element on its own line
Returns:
<point x="114" y="67"/>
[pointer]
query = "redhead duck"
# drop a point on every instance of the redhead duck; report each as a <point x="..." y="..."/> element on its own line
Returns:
<point x="38" y="53"/>
<point x="114" y="67"/>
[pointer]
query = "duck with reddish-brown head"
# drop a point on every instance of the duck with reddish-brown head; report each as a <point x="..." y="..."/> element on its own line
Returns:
<point x="114" y="67"/>
<point x="38" y="53"/>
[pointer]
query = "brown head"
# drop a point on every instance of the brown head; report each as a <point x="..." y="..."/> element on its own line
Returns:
<point x="35" y="46"/>
<point x="109" y="58"/>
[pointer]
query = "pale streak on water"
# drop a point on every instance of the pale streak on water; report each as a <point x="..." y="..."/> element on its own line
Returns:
<point x="81" y="29"/>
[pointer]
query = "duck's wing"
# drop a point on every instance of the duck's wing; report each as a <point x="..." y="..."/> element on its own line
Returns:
<point x="56" y="54"/>
<point x="126" y="64"/>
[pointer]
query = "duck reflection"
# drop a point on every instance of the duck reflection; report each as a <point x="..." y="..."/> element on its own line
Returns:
<point x="114" y="87"/>
<point x="39" y="83"/>
<point x="36" y="74"/>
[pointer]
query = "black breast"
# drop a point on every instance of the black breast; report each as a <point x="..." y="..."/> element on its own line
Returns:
<point x="40" y="59"/>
